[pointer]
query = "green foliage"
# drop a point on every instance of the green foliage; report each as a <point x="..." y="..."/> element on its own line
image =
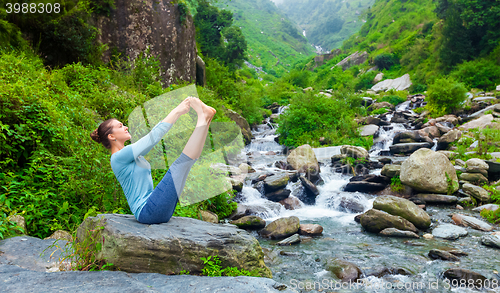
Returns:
<point x="470" y="28"/>
<point x="213" y="268"/>
<point x="482" y="74"/>
<point x="61" y="37"/>
<point x="229" y="91"/>
<point x="310" y="117"/>
<point x="365" y="81"/>
<point x="396" y="184"/>
<point x="298" y="78"/>
<point x="487" y="139"/>
<point x="274" y="42"/>
<point x="81" y="255"/>
<point x="445" y="95"/>
<point x="183" y="11"/>
<point x="8" y="228"/>
<point x="416" y="88"/>
<point x="393" y="99"/>
<point x="379" y="111"/>
<point x="385" y="61"/>
<point x="217" y="37"/>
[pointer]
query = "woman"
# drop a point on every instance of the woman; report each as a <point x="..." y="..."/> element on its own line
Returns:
<point x="153" y="205"/>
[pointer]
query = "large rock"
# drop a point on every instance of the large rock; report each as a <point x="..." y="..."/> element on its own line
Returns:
<point x="364" y="186"/>
<point x="310" y="229"/>
<point x="480" y="123"/>
<point x="171" y="247"/>
<point x="304" y="160"/>
<point x="408" y="148"/>
<point x="473" y="177"/>
<point x="468" y="276"/>
<point x="278" y="195"/>
<point x="433" y="198"/>
<point x="449" y="231"/>
<point x="368" y="130"/>
<point x="276" y="182"/>
<point x="393" y="232"/>
<point x="400" y="84"/>
<point x="135" y="26"/>
<point x="448" y="138"/>
<point x="250" y="223"/>
<point x="404" y="208"/>
<point x="19" y="220"/>
<point x="491" y="240"/>
<point x="354" y="151"/>
<point x="19" y="280"/>
<point x="375" y="221"/>
<point x="281" y="228"/>
<point x="391" y="170"/>
<point x="344" y="270"/>
<point x="355" y="58"/>
<point x="429" y="171"/>
<point x="472" y="222"/>
<point x="476" y="165"/>
<point x="443" y="255"/>
<point x="477" y="192"/>
<point x="242" y="123"/>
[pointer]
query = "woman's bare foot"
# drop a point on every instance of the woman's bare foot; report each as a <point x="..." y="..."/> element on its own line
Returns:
<point x="209" y="112"/>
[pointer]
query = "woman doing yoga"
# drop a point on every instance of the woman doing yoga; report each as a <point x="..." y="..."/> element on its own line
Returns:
<point x="153" y="205"/>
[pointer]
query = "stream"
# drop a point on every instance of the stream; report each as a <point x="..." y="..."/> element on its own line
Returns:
<point x="302" y="267"/>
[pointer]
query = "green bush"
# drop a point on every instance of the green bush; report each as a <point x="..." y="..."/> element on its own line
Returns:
<point x="310" y="117"/>
<point x="379" y="111"/>
<point x="385" y="61"/>
<point x="365" y="81"/>
<point x="393" y="99"/>
<point x="482" y="74"/>
<point x="445" y="95"/>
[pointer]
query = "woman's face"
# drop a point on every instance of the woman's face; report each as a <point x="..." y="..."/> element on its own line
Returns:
<point x="120" y="132"/>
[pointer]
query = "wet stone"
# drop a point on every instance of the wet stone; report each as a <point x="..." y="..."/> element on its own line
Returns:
<point x="449" y="231"/>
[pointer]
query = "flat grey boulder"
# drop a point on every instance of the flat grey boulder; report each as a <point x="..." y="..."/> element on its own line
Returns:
<point x="449" y="231"/>
<point x="368" y="130"/>
<point x="408" y="148"/>
<point x="171" y="247"/>
<point x="31" y="253"/>
<point x="476" y="192"/>
<point x="294" y="239"/>
<point x="489" y="207"/>
<point x="443" y="255"/>
<point x="390" y="170"/>
<point x="434" y="198"/>
<point x="16" y="279"/>
<point x="491" y="240"/>
<point x="472" y="222"/>
<point x="393" y="232"/>
<point x="400" y="84"/>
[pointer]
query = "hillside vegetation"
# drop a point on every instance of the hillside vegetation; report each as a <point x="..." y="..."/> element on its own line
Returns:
<point x="327" y="23"/>
<point x="274" y="42"/>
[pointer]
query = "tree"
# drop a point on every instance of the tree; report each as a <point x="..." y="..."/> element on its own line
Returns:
<point x="217" y="37"/>
<point x="235" y="47"/>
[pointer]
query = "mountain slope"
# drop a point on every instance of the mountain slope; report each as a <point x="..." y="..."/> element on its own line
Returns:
<point x="274" y="42"/>
<point x="326" y="23"/>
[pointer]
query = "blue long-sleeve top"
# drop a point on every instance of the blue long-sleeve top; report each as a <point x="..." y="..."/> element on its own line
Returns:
<point x="133" y="171"/>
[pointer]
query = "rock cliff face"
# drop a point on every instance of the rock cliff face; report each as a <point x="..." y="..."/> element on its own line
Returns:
<point x="136" y="25"/>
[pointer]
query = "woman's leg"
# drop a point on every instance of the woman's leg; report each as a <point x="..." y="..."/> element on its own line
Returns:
<point x="161" y="204"/>
<point x="195" y="144"/>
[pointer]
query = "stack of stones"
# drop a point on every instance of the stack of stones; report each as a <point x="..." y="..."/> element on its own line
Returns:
<point x="475" y="172"/>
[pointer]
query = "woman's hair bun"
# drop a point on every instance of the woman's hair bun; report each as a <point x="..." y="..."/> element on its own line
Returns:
<point x="95" y="136"/>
